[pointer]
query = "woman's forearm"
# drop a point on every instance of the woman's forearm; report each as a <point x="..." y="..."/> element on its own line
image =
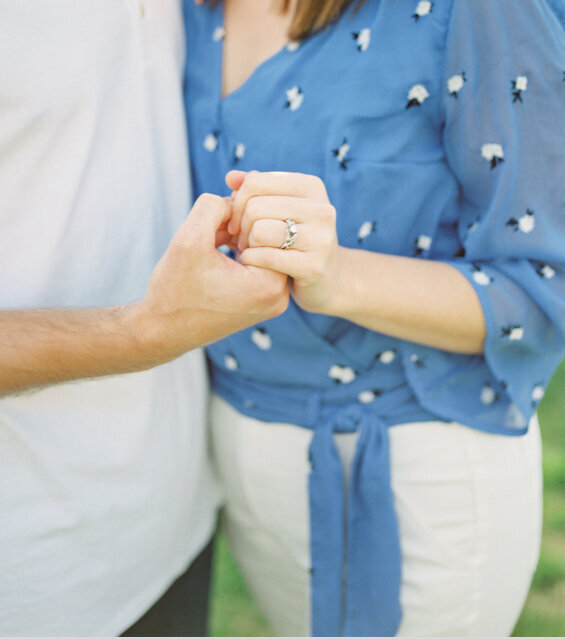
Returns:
<point x="417" y="300"/>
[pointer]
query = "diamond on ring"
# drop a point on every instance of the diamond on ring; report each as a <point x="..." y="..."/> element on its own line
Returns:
<point x="291" y="233"/>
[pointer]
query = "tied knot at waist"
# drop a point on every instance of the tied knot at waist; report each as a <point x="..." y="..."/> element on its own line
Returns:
<point x="354" y="543"/>
<point x="351" y="418"/>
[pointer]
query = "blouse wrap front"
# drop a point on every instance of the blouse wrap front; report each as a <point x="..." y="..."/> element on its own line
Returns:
<point x="438" y="129"/>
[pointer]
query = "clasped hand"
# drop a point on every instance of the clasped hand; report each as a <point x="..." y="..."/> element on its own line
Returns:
<point x="261" y="203"/>
<point x="197" y="295"/>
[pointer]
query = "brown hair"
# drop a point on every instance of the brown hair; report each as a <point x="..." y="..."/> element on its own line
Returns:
<point x="311" y="15"/>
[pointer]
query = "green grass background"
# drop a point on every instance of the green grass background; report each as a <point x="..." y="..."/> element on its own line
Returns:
<point x="234" y="613"/>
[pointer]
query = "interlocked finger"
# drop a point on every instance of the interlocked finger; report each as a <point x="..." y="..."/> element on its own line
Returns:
<point x="293" y="185"/>
<point x="274" y="208"/>
<point x="273" y="233"/>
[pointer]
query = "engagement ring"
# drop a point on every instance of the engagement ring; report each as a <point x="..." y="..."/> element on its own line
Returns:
<point x="291" y="233"/>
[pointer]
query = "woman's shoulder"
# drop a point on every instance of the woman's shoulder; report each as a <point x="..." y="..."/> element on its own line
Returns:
<point x="484" y="23"/>
<point x="504" y="22"/>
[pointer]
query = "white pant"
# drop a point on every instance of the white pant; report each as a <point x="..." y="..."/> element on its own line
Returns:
<point x="468" y="504"/>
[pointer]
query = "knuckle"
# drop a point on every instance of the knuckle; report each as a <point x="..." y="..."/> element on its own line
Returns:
<point x="271" y="298"/>
<point x="317" y="269"/>
<point x="318" y="184"/>
<point x="317" y="181"/>
<point x="325" y="238"/>
<point x="253" y="178"/>
<point x="252" y="208"/>
<point x="250" y="183"/>
<point x="281" y="305"/>
<point x="210" y="198"/>
<point x="279" y="288"/>
<point x="278" y="303"/>
<point x="325" y="211"/>
<point x="239" y="203"/>
<point x="268" y="263"/>
<point x="259" y="233"/>
<point x="240" y="198"/>
<point x="183" y="242"/>
<point x="254" y="238"/>
<point x="272" y="290"/>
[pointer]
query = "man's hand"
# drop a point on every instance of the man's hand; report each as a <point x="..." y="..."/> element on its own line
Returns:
<point x="197" y="295"/>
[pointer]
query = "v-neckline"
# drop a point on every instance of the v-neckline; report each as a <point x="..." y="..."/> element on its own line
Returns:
<point x="258" y="70"/>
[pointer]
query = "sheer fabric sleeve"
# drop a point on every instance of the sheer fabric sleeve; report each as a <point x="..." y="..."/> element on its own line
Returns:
<point x="504" y="140"/>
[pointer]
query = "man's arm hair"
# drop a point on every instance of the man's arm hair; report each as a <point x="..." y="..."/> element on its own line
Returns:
<point x="49" y="346"/>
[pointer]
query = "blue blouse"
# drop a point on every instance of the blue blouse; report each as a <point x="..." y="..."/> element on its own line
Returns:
<point x="438" y="128"/>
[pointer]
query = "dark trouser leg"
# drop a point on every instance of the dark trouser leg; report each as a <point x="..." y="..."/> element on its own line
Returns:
<point x="183" y="610"/>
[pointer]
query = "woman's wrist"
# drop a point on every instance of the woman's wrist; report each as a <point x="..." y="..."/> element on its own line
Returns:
<point x="344" y="294"/>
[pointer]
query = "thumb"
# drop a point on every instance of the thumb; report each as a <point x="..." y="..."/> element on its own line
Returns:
<point x="234" y="179"/>
<point x="207" y="215"/>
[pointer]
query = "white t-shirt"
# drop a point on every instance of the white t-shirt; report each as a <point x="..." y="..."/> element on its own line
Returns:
<point x="106" y="494"/>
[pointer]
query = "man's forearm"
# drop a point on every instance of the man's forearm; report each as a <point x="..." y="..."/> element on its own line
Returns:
<point x="43" y="347"/>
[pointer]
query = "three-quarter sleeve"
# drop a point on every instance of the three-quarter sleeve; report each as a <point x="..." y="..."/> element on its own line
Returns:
<point x="504" y="140"/>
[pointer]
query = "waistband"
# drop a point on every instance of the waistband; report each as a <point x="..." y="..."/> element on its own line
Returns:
<point x="308" y="407"/>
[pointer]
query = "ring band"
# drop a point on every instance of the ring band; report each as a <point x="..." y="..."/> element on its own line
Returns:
<point x="291" y="233"/>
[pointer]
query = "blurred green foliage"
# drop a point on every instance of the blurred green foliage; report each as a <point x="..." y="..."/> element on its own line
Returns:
<point x="544" y="612"/>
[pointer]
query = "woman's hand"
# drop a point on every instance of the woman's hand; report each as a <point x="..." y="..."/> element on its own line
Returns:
<point x="261" y="204"/>
<point x="418" y="300"/>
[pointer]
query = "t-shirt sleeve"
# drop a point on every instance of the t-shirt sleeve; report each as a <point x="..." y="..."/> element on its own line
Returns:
<point x="504" y="140"/>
